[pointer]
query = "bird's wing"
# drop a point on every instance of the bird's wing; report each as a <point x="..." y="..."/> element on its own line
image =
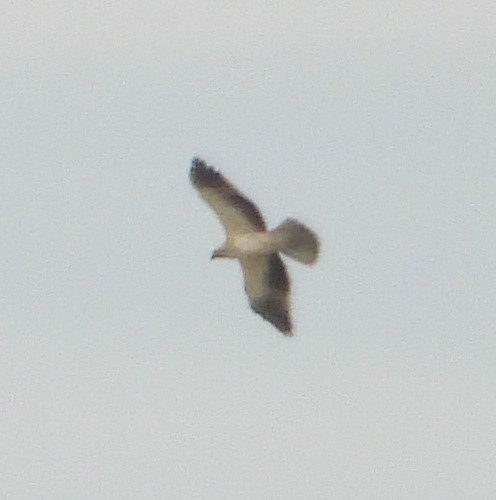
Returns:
<point x="267" y="286"/>
<point x="236" y="212"/>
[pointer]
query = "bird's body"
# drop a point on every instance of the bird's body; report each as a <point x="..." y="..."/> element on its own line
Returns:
<point x="246" y="244"/>
<point x="257" y="249"/>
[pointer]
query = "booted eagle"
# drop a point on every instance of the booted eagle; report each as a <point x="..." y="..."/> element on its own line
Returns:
<point x="257" y="249"/>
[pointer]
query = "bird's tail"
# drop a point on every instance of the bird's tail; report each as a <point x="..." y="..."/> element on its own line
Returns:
<point x="298" y="241"/>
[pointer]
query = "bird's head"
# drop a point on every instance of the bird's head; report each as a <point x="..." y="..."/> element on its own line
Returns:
<point x="216" y="254"/>
<point x="220" y="252"/>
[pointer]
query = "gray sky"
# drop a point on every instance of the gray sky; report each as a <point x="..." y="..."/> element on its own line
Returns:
<point x="131" y="366"/>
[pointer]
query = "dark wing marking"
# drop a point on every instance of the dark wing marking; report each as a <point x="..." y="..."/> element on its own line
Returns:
<point x="236" y="212"/>
<point x="267" y="286"/>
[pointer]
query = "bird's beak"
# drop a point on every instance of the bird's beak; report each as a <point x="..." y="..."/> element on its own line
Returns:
<point x="214" y="255"/>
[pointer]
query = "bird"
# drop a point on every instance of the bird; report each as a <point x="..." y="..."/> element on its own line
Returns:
<point x="266" y="279"/>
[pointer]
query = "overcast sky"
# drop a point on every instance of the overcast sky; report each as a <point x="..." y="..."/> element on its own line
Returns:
<point x="131" y="365"/>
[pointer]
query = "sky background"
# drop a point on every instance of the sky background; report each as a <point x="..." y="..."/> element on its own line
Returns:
<point x="131" y="365"/>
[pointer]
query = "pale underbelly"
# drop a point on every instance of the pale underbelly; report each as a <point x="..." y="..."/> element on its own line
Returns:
<point x="255" y="243"/>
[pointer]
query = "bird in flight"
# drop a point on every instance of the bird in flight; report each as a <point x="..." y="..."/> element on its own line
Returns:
<point x="256" y="248"/>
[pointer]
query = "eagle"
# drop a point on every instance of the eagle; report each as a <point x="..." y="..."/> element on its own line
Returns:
<point x="257" y="249"/>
